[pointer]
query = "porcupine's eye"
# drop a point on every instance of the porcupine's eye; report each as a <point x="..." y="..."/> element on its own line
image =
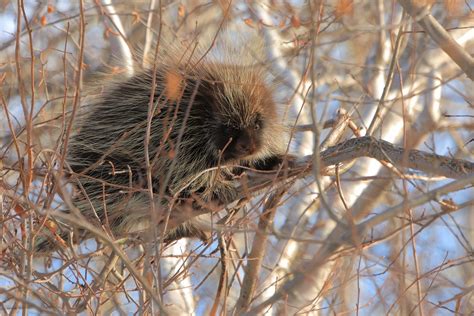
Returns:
<point x="257" y="122"/>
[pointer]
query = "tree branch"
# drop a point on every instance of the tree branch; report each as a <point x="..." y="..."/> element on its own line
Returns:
<point x="438" y="34"/>
<point x="366" y="146"/>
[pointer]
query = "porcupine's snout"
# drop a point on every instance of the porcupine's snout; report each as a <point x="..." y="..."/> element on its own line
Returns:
<point x="246" y="144"/>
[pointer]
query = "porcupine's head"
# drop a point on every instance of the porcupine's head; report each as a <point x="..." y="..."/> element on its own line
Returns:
<point x="243" y="120"/>
<point x="233" y="116"/>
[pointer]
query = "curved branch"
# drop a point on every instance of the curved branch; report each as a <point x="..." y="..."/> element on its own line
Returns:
<point x="384" y="151"/>
<point x="366" y="146"/>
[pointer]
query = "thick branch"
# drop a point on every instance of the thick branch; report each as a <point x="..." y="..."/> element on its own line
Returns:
<point x="384" y="151"/>
<point x="366" y="146"/>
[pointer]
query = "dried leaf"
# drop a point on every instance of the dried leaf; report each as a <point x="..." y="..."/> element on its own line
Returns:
<point x="61" y="241"/>
<point x="281" y="24"/>
<point x="51" y="225"/>
<point x="149" y="277"/>
<point x="136" y="17"/>
<point x="51" y="9"/>
<point x="171" y="154"/>
<point x="295" y="21"/>
<point x="249" y="22"/>
<point x="44" y="21"/>
<point x="20" y="211"/>
<point x="343" y="7"/>
<point x="448" y="205"/>
<point x="181" y="10"/>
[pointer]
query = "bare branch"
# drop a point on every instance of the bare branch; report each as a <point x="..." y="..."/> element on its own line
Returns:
<point x="421" y="14"/>
<point x="381" y="150"/>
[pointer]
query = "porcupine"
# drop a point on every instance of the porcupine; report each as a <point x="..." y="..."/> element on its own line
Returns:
<point x="206" y="114"/>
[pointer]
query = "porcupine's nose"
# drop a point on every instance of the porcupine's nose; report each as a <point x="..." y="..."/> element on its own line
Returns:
<point x="246" y="144"/>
